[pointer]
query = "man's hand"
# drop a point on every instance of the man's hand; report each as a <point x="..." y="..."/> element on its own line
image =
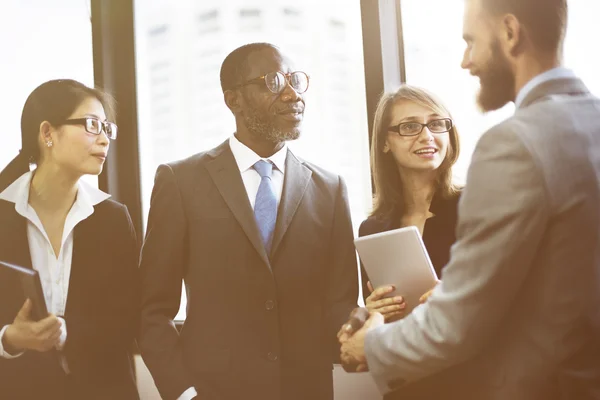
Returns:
<point x="392" y="308"/>
<point x="357" y="319"/>
<point x="353" y="348"/>
<point x="26" y="334"/>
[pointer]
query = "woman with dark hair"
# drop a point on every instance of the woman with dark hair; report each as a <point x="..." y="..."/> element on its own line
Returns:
<point x="414" y="146"/>
<point x="83" y="246"/>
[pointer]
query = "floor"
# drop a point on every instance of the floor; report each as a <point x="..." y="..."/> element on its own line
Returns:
<point x="346" y="386"/>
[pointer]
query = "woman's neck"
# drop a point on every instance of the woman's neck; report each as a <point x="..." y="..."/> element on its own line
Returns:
<point x="52" y="190"/>
<point x="418" y="189"/>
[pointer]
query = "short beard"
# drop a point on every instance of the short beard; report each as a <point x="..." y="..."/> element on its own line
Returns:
<point x="497" y="82"/>
<point x="264" y="129"/>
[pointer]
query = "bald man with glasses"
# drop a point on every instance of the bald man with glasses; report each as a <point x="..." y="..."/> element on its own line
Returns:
<point x="264" y="243"/>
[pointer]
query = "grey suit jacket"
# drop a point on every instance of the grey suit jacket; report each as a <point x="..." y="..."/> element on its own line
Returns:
<point x="516" y="312"/>
<point x="259" y="326"/>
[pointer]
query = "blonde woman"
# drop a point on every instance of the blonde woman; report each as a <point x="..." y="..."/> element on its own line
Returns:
<point x="414" y="146"/>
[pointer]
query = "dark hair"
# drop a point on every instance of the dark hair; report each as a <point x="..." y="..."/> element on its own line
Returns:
<point x="545" y="20"/>
<point x="235" y="64"/>
<point x="388" y="199"/>
<point x="53" y="101"/>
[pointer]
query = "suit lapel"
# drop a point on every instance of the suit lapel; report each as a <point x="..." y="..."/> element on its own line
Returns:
<point x="226" y="176"/>
<point x="297" y="177"/>
<point x="82" y="258"/>
<point x="14" y="245"/>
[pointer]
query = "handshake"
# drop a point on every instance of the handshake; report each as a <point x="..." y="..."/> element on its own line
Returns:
<point x="378" y="311"/>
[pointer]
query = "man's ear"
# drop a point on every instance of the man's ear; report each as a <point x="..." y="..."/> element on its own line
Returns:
<point x="232" y="100"/>
<point x="512" y="34"/>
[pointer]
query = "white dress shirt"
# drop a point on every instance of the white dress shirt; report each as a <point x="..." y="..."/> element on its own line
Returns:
<point x="245" y="159"/>
<point x="54" y="270"/>
<point x="550" y="75"/>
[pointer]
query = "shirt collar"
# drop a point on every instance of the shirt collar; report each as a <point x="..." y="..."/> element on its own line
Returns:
<point x="246" y="158"/>
<point x="18" y="193"/>
<point x="550" y="75"/>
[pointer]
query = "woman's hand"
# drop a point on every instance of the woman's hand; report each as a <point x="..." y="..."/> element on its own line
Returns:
<point x="425" y="296"/>
<point x="26" y="334"/>
<point x="391" y="308"/>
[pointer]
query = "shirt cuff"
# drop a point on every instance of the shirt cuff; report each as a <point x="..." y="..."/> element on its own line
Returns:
<point x="4" y="353"/>
<point x="188" y="394"/>
<point x="377" y="370"/>
<point x="63" y="334"/>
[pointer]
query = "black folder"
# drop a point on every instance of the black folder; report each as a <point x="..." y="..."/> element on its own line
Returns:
<point x="32" y="289"/>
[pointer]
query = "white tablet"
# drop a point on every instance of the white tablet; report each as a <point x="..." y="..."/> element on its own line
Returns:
<point x="398" y="257"/>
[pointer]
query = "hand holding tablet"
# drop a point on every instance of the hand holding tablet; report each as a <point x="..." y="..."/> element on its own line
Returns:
<point x="398" y="257"/>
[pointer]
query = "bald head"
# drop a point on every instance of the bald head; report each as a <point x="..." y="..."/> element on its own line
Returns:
<point x="235" y="66"/>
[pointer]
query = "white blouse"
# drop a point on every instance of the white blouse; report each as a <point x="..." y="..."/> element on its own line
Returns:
<point x="54" y="271"/>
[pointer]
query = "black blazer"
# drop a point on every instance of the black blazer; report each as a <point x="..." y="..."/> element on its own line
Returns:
<point x="101" y="312"/>
<point x="258" y="326"/>
<point x="438" y="235"/>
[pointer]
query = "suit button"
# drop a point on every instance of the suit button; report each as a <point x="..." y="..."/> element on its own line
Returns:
<point x="272" y="356"/>
<point x="269" y="305"/>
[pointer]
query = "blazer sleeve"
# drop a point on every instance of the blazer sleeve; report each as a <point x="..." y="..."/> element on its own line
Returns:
<point x="115" y="329"/>
<point x="505" y="197"/>
<point x="364" y="277"/>
<point x="162" y="271"/>
<point x="342" y="291"/>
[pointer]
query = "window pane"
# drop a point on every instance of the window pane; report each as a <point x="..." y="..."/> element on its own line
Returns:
<point x="49" y="40"/>
<point x="180" y="46"/>
<point x="583" y="31"/>
<point x="433" y="62"/>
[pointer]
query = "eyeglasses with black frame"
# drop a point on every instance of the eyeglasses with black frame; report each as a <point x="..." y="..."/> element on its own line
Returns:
<point x="441" y="125"/>
<point x="277" y="81"/>
<point x="95" y="126"/>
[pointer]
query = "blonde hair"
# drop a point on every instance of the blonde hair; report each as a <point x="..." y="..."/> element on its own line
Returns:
<point x="388" y="198"/>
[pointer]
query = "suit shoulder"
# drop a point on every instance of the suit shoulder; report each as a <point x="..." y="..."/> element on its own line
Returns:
<point x="454" y="198"/>
<point x="508" y="127"/>
<point x="112" y="216"/>
<point x="188" y="168"/>
<point x="509" y="135"/>
<point x="537" y="122"/>
<point x="110" y="206"/>
<point x="188" y="163"/>
<point x="373" y="225"/>
<point x="110" y="210"/>
<point x="321" y="173"/>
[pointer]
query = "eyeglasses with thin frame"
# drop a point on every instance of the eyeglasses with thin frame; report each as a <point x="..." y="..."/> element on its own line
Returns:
<point x="441" y="125"/>
<point x="277" y="81"/>
<point x="95" y="126"/>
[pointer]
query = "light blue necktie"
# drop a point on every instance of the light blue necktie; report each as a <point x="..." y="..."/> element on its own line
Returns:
<point x="265" y="207"/>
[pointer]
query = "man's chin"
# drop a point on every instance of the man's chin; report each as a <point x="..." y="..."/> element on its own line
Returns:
<point x="487" y="102"/>
<point x="292" y="134"/>
<point x="280" y="135"/>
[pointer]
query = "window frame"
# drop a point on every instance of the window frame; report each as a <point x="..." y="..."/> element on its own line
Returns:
<point x="113" y="36"/>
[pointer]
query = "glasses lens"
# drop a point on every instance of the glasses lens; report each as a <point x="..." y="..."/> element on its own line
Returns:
<point x="111" y="130"/>
<point x="409" y="128"/>
<point x="275" y="81"/>
<point x="299" y="81"/>
<point x="92" y="125"/>
<point x="440" y="125"/>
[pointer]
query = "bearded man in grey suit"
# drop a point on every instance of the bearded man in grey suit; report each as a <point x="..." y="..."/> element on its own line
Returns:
<point x="515" y="314"/>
